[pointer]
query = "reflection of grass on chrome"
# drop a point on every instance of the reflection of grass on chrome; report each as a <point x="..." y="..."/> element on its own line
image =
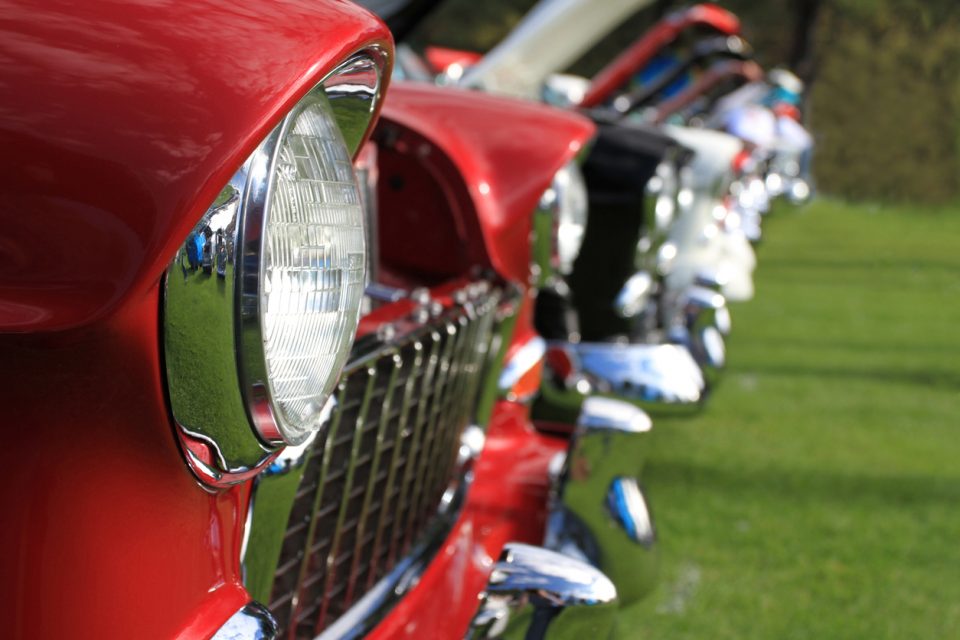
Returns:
<point x="817" y="494"/>
<point x="202" y="363"/>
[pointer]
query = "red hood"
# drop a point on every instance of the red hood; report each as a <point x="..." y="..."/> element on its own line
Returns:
<point x="506" y="150"/>
<point x="120" y="122"/>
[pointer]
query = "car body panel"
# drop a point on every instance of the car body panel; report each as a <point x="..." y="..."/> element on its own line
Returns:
<point x="500" y="150"/>
<point x="121" y="122"/>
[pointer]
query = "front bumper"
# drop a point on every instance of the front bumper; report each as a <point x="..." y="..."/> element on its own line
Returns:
<point x="659" y="378"/>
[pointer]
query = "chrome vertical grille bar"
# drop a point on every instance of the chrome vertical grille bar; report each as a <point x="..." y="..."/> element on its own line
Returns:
<point x="389" y="498"/>
<point x="305" y="555"/>
<point x="407" y="488"/>
<point x="365" y="513"/>
<point x="447" y="416"/>
<point x="331" y="562"/>
<point x="424" y="460"/>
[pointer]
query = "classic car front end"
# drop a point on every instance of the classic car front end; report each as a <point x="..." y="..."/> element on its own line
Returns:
<point x="122" y="123"/>
<point x="271" y="368"/>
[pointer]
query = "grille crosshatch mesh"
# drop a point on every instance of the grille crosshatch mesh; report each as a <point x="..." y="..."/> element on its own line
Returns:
<point x="376" y="477"/>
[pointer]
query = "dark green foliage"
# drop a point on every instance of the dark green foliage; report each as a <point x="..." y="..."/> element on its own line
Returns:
<point x="886" y="102"/>
<point x="471" y="24"/>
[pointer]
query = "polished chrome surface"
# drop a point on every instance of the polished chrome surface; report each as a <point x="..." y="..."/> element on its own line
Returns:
<point x="472" y="442"/>
<point x="608" y="414"/>
<point x="301" y="258"/>
<point x="705" y="319"/>
<point x="368" y="175"/>
<point x="523" y="360"/>
<point x="598" y="513"/>
<point x="214" y="370"/>
<point x="252" y="622"/>
<point x="335" y="540"/>
<point x="531" y="586"/>
<point x="664" y="187"/>
<point x="723" y="321"/>
<point x="571" y="211"/>
<point x="293" y="457"/>
<point x="635" y="295"/>
<point x="354" y="89"/>
<point x="559" y="224"/>
<point x="710" y="278"/>
<point x="628" y="506"/>
<point x="385" y="293"/>
<point x="649" y="374"/>
<point x="701" y="298"/>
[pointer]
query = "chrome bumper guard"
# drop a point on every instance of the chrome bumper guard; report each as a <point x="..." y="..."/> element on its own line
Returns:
<point x="703" y="321"/>
<point x="530" y="586"/>
<point x="598" y="513"/>
<point x="652" y="376"/>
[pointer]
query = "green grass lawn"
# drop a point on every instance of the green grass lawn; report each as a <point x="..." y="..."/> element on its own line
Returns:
<point x="818" y="494"/>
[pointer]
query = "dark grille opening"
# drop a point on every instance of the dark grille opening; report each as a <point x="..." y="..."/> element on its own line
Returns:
<point x="373" y="484"/>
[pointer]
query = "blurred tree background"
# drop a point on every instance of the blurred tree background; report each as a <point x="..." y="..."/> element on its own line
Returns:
<point x="884" y="80"/>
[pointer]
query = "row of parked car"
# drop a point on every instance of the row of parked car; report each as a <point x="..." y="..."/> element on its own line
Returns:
<point x="307" y="332"/>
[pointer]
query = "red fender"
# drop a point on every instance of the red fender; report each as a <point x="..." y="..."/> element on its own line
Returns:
<point x="121" y="122"/>
<point x="442" y="58"/>
<point x="506" y="153"/>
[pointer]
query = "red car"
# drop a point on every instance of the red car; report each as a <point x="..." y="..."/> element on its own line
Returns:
<point x="267" y="370"/>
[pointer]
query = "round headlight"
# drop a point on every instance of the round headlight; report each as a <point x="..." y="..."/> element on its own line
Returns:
<point x="571" y="214"/>
<point x="308" y="281"/>
<point x="262" y="302"/>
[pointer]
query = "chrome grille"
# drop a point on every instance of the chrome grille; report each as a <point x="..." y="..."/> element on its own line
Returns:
<point x="376" y="477"/>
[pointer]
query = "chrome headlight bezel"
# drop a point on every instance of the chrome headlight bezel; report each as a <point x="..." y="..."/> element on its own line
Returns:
<point x="226" y="419"/>
<point x="566" y="202"/>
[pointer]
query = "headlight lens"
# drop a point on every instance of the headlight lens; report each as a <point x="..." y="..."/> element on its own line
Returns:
<point x="311" y="272"/>
<point x="570" y="192"/>
<point x="262" y="301"/>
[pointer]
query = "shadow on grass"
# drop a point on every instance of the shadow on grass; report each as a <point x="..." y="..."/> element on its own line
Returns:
<point x="928" y="379"/>
<point x="820" y="263"/>
<point x="819" y="485"/>
<point x="840" y="344"/>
